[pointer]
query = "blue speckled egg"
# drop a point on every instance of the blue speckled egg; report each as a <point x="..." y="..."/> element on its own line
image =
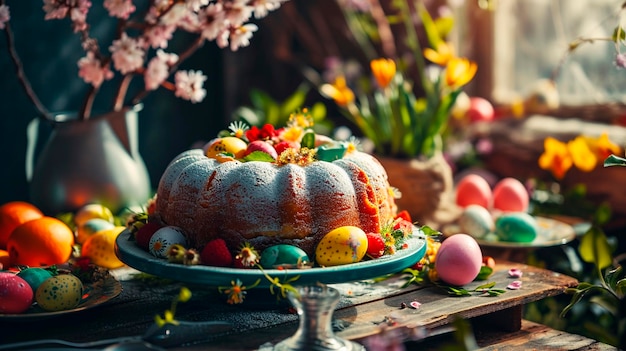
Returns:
<point x="517" y="227"/>
<point x="476" y="221"/>
<point x="283" y="255"/>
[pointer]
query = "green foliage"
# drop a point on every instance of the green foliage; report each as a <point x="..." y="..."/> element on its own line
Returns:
<point x="266" y="110"/>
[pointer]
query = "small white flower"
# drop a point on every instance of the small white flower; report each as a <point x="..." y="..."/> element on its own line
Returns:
<point x="5" y="15"/>
<point x="91" y="71"/>
<point x="262" y="7"/>
<point x="127" y="54"/>
<point x="195" y="5"/>
<point x="119" y="8"/>
<point x="189" y="85"/>
<point x="240" y="37"/>
<point x="158" y="69"/>
<point x="175" y="15"/>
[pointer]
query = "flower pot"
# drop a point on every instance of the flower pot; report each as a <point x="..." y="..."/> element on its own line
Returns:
<point x="85" y="161"/>
<point x="426" y="188"/>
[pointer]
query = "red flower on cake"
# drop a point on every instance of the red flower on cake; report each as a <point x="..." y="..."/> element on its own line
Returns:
<point x="267" y="132"/>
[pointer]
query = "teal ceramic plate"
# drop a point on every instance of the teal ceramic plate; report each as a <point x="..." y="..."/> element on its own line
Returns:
<point x="134" y="256"/>
<point x="94" y="294"/>
<point x="551" y="233"/>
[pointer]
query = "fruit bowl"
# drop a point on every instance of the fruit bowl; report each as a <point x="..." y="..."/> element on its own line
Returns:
<point x="134" y="256"/>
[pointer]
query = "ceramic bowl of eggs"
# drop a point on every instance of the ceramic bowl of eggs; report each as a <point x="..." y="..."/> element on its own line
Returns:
<point x="497" y="212"/>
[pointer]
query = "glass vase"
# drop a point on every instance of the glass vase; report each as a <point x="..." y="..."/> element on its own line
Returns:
<point x="315" y="305"/>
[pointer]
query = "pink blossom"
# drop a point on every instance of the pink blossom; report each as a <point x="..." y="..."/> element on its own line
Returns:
<point x="515" y="285"/>
<point x="159" y="35"/>
<point x="119" y="8"/>
<point x="127" y="54"/>
<point x="515" y="273"/>
<point x="5" y="15"/>
<point x="415" y="304"/>
<point x="240" y="36"/>
<point x="262" y="7"/>
<point x="158" y="69"/>
<point x="195" y="5"/>
<point x="174" y="15"/>
<point x="189" y="85"/>
<point x="237" y="12"/>
<point x="620" y="60"/>
<point x="91" y="71"/>
<point x="212" y="21"/>
<point x="55" y="9"/>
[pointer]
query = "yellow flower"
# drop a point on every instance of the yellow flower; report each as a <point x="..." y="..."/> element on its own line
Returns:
<point x="292" y="133"/>
<point x="556" y="157"/>
<point x="602" y="146"/>
<point x="441" y="55"/>
<point x="582" y="156"/>
<point x="459" y="71"/>
<point x="339" y="91"/>
<point x="383" y="70"/>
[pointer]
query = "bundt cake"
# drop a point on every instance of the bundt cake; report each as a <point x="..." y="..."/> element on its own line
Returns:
<point x="266" y="203"/>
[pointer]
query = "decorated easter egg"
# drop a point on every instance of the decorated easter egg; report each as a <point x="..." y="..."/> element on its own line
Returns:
<point x="473" y="190"/>
<point x="229" y="145"/>
<point x="458" y="260"/>
<point x="343" y="245"/>
<point x="283" y="254"/>
<point x="91" y="211"/>
<point x="16" y="296"/>
<point x="34" y="276"/>
<point x="517" y="227"/>
<point x="59" y="293"/>
<point x="164" y="238"/>
<point x="510" y="195"/>
<point x="90" y="227"/>
<point x="100" y="248"/>
<point x="476" y="221"/>
<point x="480" y="110"/>
<point x="262" y="146"/>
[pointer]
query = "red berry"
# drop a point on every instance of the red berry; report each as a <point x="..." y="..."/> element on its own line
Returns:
<point x="216" y="253"/>
<point x="404" y="214"/>
<point x="144" y="234"/>
<point x="375" y="245"/>
<point x="284" y="145"/>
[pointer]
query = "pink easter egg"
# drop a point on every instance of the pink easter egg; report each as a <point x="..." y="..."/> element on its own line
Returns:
<point x="480" y="110"/>
<point x="458" y="260"/>
<point x="473" y="190"/>
<point x="510" y="195"/>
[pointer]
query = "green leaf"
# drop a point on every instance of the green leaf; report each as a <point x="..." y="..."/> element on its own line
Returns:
<point x="295" y="101"/>
<point x="308" y="140"/>
<point x="613" y="160"/>
<point x="259" y="156"/>
<point x="620" y="288"/>
<point x="485" y="272"/>
<point x="485" y="286"/>
<point x="618" y="34"/>
<point x="594" y="248"/>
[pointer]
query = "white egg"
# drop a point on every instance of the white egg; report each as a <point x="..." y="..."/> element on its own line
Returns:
<point x="164" y="238"/>
<point x="476" y="221"/>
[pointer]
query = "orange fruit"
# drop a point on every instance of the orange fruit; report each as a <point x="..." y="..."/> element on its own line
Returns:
<point x="40" y="242"/>
<point x="13" y="214"/>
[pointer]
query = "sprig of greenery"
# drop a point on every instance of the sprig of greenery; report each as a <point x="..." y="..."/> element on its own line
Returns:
<point x="488" y="289"/>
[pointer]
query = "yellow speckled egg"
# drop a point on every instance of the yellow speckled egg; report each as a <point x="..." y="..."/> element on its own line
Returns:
<point x="230" y="145"/>
<point x="343" y="245"/>
<point x="100" y="248"/>
<point x="59" y="293"/>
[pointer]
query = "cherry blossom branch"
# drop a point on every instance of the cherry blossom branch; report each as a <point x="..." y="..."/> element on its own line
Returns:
<point x="21" y="75"/>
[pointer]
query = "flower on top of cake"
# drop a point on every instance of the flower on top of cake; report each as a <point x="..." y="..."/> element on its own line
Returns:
<point x="295" y="143"/>
<point x="273" y="198"/>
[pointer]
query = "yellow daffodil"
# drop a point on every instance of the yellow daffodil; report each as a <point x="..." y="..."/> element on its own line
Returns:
<point x="383" y="70"/>
<point x="441" y="55"/>
<point x="582" y="156"/>
<point x="339" y="91"/>
<point x="602" y="146"/>
<point x="459" y="71"/>
<point x="556" y="157"/>
<point x="292" y="133"/>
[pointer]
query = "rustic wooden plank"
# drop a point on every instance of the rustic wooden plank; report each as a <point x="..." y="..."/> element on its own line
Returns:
<point x="437" y="307"/>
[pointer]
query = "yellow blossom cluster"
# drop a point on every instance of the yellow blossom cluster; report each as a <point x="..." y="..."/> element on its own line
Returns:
<point x="583" y="152"/>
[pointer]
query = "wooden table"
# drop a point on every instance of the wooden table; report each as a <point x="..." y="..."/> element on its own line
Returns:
<point x="365" y="310"/>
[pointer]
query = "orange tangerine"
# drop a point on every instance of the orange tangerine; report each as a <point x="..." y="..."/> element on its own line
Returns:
<point x="40" y="242"/>
<point x="12" y="214"/>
